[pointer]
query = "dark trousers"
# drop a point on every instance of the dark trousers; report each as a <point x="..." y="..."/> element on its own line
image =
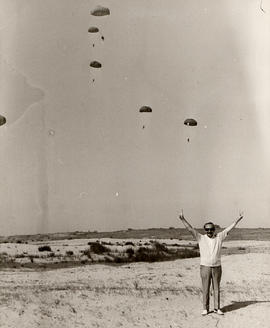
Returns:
<point x="208" y="275"/>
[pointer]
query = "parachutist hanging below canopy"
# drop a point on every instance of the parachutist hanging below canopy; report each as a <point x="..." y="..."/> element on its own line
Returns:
<point x="190" y="122"/>
<point x="100" y="11"/>
<point x="145" y="112"/>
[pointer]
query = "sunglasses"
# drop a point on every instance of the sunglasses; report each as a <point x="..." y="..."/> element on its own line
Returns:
<point x="210" y="229"/>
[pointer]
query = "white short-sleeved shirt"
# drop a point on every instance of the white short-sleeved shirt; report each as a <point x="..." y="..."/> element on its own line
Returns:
<point x="210" y="248"/>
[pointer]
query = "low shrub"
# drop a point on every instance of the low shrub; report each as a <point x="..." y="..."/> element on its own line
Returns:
<point x="3" y="254"/>
<point x="119" y="259"/>
<point x="129" y="243"/>
<point x="69" y="253"/>
<point x="45" y="248"/>
<point x="187" y="253"/>
<point x="98" y="248"/>
<point x="144" y="254"/>
<point x="106" y="243"/>
<point x="130" y="252"/>
<point x="160" y="247"/>
<point x="20" y="256"/>
<point x="87" y="252"/>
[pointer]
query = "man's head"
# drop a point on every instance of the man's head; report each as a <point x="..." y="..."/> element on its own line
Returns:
<point x="209" y="227"/>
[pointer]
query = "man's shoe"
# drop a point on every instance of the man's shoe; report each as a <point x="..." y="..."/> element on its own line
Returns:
<point x="218" y="311"/>
<point x="204" y="312"/>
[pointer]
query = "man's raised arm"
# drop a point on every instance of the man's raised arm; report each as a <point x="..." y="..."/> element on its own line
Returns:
<point x="233" y="225"/>
<point x="188" y="226"/>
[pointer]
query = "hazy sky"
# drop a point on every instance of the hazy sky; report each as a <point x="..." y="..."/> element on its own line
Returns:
<point x="74" y="155"/>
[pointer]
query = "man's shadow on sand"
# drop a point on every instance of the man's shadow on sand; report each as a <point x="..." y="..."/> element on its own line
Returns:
<point x="238" y="305"/>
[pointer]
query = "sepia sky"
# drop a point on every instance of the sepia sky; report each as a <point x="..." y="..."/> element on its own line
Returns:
<point x="74" y="153"/>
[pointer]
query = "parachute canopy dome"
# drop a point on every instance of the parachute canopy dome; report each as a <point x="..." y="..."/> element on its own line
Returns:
<point x="100" y="11"/>
<point x="2" y="120"/>
<point x="93" y="29"/>
<point x="145" y="109"/>
<point x="190" y="122"/>
<point x="95" y="64"/>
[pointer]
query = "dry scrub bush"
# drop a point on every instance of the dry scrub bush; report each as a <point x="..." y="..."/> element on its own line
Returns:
<point x="98" y="248"/>
<point x="45" y="248"/>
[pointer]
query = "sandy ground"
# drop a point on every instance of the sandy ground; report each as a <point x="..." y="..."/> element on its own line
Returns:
<point x="163" y="294"/>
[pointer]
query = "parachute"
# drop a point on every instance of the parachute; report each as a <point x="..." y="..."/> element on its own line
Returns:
<point x="100" y="11"/>
<point x="145" y="109"/>
<point x="93" y="29"/>
<point x="95" y="64"/>
<point x="190" y="122"/>
<point x="145" y="117"/>
<point x="2" y="120"/>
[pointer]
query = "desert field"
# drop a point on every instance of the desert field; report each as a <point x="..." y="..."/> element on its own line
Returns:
<point x="90" y="291"/>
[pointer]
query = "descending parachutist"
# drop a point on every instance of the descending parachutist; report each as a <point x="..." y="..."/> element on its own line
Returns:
<point x="145" y="112"/>
<point x="187" y="139"/>
<point x="102" y="38"/>
<point x="93" y="45"/>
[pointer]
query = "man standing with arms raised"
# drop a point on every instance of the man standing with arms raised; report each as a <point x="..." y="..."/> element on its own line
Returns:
<point x="210" y="265"/>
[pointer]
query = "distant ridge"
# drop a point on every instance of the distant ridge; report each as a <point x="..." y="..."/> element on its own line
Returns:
<point x="151" y="233"/>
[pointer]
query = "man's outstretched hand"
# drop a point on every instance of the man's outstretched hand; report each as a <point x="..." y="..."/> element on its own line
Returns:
<point x="241" y="215"/>
<point x="181" y="216"/>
